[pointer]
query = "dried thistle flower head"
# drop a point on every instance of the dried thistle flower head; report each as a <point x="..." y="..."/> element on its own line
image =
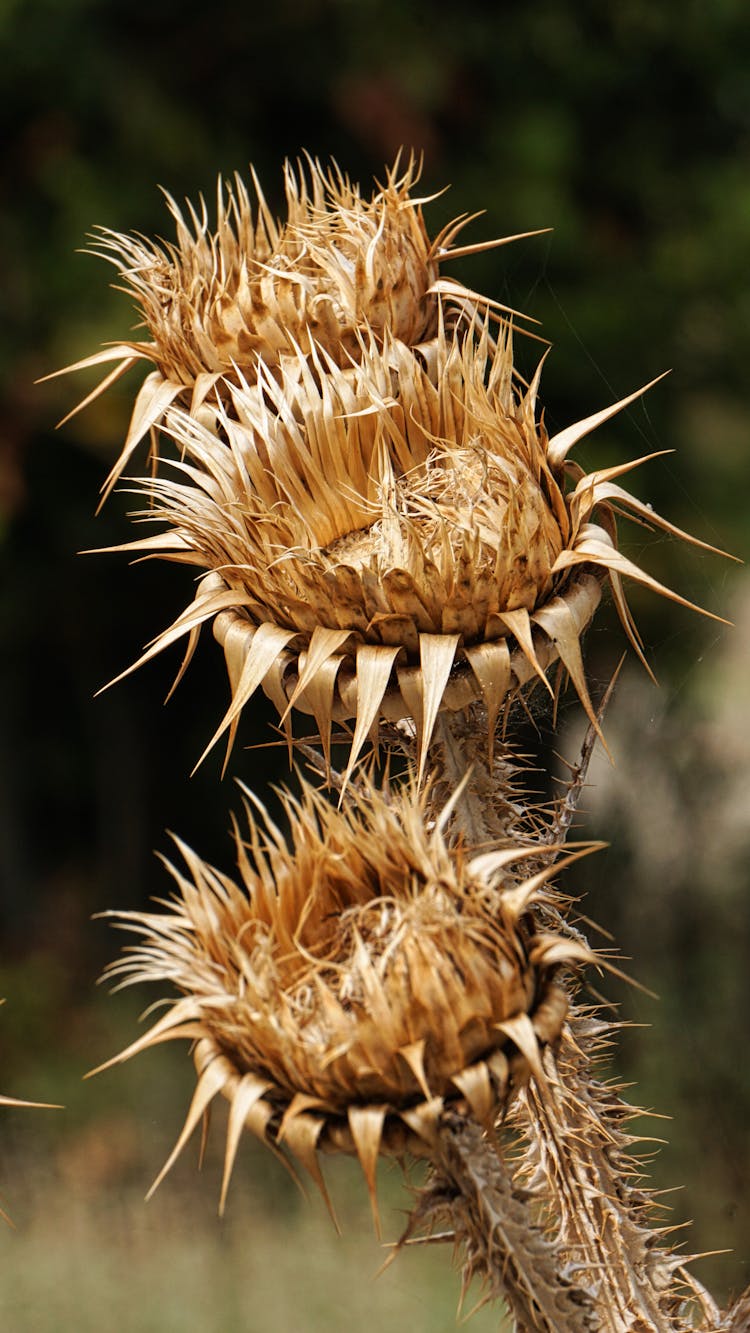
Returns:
<point x="343" y="992"/>
<point x="217" y="303"/>
<point x="387" y="528"/>
<point x="392" y="538"/>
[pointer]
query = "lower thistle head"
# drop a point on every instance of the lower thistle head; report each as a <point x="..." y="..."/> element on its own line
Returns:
<point x="344" y="990"/>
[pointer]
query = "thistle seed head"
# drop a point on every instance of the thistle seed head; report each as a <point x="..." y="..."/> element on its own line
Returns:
<point x="341" y="992"/>
<point x="386" y="527"/>
<point x="390" y="539"/>
<point x="218" y="303"/>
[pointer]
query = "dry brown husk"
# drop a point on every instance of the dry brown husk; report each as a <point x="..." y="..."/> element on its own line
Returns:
<point x="343" y="992"/>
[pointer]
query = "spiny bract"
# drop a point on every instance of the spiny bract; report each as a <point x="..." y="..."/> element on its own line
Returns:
<point x="345" y="990"/>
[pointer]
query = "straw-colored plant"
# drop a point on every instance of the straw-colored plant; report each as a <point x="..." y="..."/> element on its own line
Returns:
<point x="387" y="526"/>
<point x="387" y="534"/>
<point x="389" y="539"/>
<point x="346" y="992"/>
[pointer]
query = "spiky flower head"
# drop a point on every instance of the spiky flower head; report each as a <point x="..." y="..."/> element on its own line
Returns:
<point x="216" y="303"/>
<point x="386" y="526"/>
<point x="392" y="538"/>
<point x="344" y="991"/>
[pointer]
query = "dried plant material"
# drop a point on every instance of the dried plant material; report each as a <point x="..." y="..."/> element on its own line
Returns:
<point x="736" y="1319"/>
<point x="386" y="534"/>
<point x="387" y="528"/>
<point x="345" y="991"/>
<point x="494" y="809"/>
<point x="496" y="1227"/>
<point x="579" y="1156"/>
<point x="389" y="539"/>
<point x="16" y="1101"/>
<point x="218" y="303"/>
<point x="550" y="1210"/>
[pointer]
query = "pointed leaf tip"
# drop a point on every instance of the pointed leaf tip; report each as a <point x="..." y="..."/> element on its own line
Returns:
<point x="374" y="666"/>
<point x="437" y="655"/>
<point x="248" y="1091"/>
<point x="366" y="1124"/>
<point x="210" y="1082"/>
<point x="560" y="445"/>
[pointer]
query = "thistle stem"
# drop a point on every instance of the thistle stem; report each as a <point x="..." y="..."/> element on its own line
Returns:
<point x="577" y="1161"/>
<point x="486" y="812"/>
<point x="576" y="1145"/>
<point x="497" y="1223"/>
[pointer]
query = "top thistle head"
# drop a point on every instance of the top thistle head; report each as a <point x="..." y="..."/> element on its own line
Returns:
<point x="217" y="304"/>
<point x="374" y="498"/>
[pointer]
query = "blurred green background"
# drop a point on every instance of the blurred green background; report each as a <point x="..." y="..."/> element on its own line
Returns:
<point x="628" y="132"/>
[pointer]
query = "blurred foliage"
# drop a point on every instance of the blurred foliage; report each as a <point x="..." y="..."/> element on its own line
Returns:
<point x="625" y="129"/>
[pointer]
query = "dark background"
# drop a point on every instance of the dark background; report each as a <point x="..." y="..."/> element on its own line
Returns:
<point x="628" y="132"/>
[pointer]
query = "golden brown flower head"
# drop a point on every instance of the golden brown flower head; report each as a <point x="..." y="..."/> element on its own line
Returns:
<point x="385" y="525"/>
<point x="216" y="304"/>
<point x="391" y="538"/>
<point x="345" y="990"/>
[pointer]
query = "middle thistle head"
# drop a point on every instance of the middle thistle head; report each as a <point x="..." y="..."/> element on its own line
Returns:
<point x="350" y="986"/>
<point x="391" y="538"/>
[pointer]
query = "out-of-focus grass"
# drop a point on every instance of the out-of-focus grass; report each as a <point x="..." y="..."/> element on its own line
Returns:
<point x="173" y="1268"/>
<point x="87" y="1253"/>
